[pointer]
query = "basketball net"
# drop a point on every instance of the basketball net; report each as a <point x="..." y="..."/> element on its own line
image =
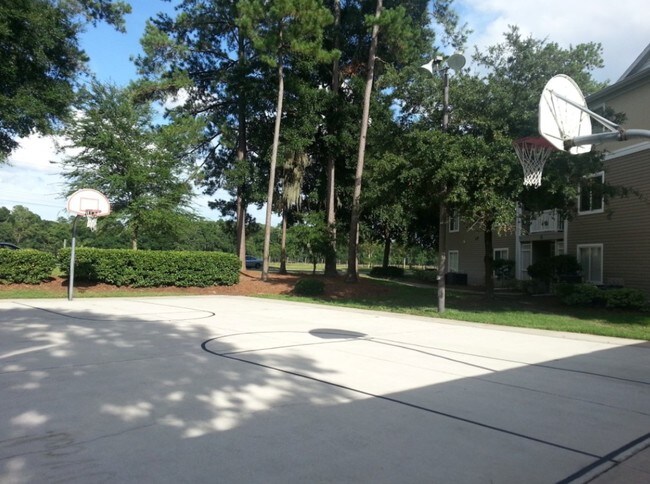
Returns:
<point x="91" y="220"/>
<point x="532" y="153"/>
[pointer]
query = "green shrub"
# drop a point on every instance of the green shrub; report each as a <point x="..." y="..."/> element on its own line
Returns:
<point x="309" y="287"/>
<point x="145" y="268"/>
<point x="504" y="269"/>
<point x="624" y="298"/>
<point x="534" y="286"/>
<point x="26" y="266"/>
<point x="552" y="269"/>
<point x="578" y="294"/>
<point x="390" y="271"/>
<point x="426" y="276"/>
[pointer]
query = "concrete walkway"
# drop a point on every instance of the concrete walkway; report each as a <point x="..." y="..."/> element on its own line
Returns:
<point x="233" y="389"/>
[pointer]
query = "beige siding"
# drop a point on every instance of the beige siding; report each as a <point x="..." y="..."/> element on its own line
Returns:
<point x="471" y="250"/>
<point x="624" y="227"/>
<point x="634" y="104"/>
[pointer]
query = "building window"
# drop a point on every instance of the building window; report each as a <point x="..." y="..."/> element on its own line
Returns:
<point x="590" y="257"/>
<point x="500" y="254"/>
<point x="454" y="221"/>
<point x="452" y="261"/>
<point x="590" y="198"/>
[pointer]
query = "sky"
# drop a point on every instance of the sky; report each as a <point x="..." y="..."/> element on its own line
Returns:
<point x="34" y="181"/>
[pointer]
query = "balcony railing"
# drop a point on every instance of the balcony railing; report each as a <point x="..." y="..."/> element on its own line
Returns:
<point x="547" y="221"/>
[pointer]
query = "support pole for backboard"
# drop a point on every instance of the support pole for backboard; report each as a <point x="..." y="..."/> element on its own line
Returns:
<point x="72" y="256"/>
<point x="622" y="135"/>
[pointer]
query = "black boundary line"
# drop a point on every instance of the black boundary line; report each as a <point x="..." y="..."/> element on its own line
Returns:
<point x="204" y="346"/>
<point x="410" y="347"/>
<point x="607" y="458"/>
<point x="537" y="365"/>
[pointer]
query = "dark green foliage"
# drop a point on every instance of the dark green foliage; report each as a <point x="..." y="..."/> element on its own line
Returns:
<point x="390" y="271"/>
<point x="504" y="269"/>
<point x="624" y="298"/>
<point x="587" y="295"/>
<point x="144" y="268"/>
<point x="40" y="59"/>
<point x="26" y="266"/>
<point x="429" y="276"/>
<point x="309" y="287"/>
<point x="552" y="269"/>
<point x="578" y="294"/>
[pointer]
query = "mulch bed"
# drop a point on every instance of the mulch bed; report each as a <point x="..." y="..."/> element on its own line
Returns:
<point x="250" y="284"/>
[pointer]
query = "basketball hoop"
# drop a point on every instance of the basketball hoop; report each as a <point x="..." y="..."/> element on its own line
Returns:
<point x="91" y="220"/>
<point x="532" y="153"/>
<point x="87" y="203"/>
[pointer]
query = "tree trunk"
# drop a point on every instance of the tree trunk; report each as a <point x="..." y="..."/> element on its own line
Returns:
<point x="274" y="158"/>
<point x="330" y="253"/>
<point x="386" y="261"/>
<point x="241" y="229"/>
<point x="283" y="244"/>
<point x="488" y="261"/>
<point x="353" y="241"/>
<point x="241" y="158"/>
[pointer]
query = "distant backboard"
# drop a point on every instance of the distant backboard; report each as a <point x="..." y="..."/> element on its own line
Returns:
<point x="563" y="114"/>
<point x="87" y="201"/>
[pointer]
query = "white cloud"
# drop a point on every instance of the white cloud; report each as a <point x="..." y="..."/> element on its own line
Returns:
<point x="179" y="99"/>
<point x="620" y="27"/>
<point x="36" y="152"/>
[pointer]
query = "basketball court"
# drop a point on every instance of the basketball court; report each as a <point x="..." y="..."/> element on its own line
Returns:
<point x="235" y="389"/>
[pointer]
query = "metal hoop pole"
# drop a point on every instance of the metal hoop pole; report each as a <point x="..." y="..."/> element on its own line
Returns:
<point x="72" y="254"/>
<point x="622" y="135"/>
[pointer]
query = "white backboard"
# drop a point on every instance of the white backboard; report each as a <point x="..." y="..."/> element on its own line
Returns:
<point x="560" y="118"/>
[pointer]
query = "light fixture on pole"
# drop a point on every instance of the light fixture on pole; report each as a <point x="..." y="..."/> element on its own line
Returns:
<point x="455" y="62"/>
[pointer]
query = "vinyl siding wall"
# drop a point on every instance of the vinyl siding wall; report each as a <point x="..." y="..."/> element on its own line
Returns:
<point x="624" y="227"/>
<point x="471" y="250"/>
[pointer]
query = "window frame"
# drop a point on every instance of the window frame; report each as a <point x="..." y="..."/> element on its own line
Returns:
<point x="602" y="262"/>
<point x="600" y="174"/>
<point x="457" y="254"/>
<point x="454" y="221"/>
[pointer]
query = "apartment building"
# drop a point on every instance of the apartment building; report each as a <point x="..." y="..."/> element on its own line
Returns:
<point x="610" y="239"/>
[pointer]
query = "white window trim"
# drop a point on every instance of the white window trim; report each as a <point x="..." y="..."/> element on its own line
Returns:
<point x="455" y="217"/>
<point x="526" y="247"/>
<point x="449" y="252"/>
<point x="602" y="259"/>
<point x="501" y="249"/>
<point x="600" y="174"/>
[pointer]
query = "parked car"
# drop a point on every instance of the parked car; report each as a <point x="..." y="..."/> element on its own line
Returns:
<point x="253" y="262"/>
<point x="8" y="245"/>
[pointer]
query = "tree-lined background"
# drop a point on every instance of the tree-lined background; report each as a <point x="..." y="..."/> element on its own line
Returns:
<point x="318" y="109"/>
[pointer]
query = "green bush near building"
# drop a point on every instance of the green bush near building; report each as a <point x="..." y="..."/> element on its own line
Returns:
<point x="590" y="295"/>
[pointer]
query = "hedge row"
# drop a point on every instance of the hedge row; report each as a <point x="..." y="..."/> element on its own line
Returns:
<point x="25" y="266"/>
<point x="589" y="295"/>
<point x="144" y="268"/>
<point x="390" y="271"/>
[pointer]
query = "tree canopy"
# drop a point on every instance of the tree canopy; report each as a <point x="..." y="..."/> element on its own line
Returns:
<point x="40" y="59"/>
<point x="144" y="169"/>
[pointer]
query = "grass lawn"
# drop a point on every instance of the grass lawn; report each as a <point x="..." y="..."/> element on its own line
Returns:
<point x="539" y="312"/>
<point x="518" y="310"/>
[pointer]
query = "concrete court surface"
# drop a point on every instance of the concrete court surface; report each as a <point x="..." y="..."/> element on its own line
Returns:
<point x="224" y="389"/>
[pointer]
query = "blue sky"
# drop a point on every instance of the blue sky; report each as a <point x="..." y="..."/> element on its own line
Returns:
<point x="33" y="181"/>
